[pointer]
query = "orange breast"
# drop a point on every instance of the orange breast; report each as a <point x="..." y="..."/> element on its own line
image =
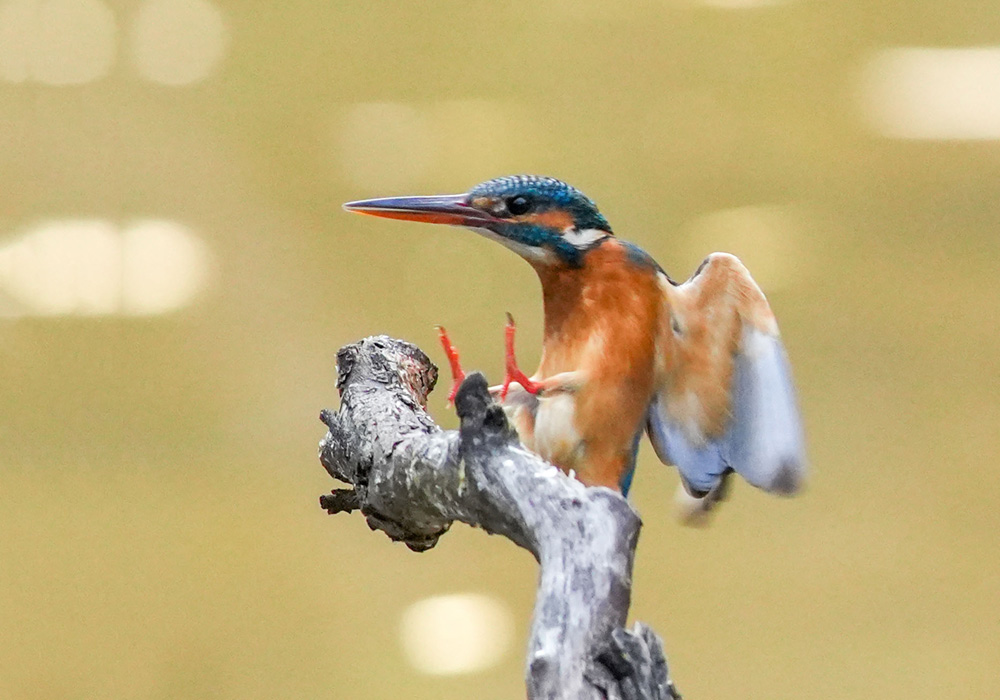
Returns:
<point x="604" y="321"/>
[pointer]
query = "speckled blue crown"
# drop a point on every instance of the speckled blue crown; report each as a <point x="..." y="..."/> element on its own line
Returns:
<point x="547" y="193"/>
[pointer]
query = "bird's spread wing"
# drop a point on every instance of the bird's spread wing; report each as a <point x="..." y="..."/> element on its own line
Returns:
<point x="728" y="403"/>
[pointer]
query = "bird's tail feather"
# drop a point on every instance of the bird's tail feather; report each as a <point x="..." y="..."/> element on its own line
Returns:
<point x="696" y="510"/>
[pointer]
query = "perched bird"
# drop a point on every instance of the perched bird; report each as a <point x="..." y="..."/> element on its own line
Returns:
<point x="699" y="366"/>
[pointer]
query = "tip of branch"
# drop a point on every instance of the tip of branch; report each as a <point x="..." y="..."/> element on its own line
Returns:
<point x="328" y="418"/>
<point x="483" y="419"/>
<point x="340" y="501"/>
<point x="473" y="397"/>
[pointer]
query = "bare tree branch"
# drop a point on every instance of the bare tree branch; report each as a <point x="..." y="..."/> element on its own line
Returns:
<point x="411" y="480"/>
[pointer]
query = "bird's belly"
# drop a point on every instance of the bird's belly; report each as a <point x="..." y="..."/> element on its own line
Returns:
<point x="556" y="438"/>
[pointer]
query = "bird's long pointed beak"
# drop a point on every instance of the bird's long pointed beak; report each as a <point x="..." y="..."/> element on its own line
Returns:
<point x="437" y="209"/>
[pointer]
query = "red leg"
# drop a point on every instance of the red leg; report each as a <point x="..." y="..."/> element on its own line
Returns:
<point x="513" y="373"/>
<point x="457" y="375"/>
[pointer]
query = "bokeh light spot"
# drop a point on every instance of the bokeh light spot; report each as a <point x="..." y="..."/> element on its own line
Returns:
<point x="58" y="42"/>
<point x="16" y="40"/>
<point x="92" y="267"/>
<point x="65" y="267"/>
<point x="165" y="266"/>
<point x="933" y="93"/>
<point x="178" y="42"/>
<point x="455" y="634"/>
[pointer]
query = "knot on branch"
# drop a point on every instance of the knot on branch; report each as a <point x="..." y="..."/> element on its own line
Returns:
<point x="393" y="364"/>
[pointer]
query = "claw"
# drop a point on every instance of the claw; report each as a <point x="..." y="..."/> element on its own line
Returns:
<point x="513" y="373"/>
<point x="457" y="375"/>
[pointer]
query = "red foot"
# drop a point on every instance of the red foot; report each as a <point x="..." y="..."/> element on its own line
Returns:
<point x="513" y="373"/>
<point x="457" y="375"/>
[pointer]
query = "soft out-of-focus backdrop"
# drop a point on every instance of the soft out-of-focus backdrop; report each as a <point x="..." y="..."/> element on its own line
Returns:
<point x="176" y="275"/>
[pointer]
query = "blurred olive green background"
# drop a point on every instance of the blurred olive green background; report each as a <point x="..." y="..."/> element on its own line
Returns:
<point x="159" y="529"/>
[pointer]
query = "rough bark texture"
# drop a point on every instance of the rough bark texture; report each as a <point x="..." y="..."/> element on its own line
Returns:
<point x="411" y="480"/>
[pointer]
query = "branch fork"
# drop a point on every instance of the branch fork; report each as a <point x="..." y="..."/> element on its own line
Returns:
<point x="412" y="480"/>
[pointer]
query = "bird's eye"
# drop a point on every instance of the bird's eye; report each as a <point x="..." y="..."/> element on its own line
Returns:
<point x="518" y="205"/>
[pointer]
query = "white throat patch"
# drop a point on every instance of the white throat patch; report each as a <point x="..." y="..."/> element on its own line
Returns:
<point x="529" y="253"/>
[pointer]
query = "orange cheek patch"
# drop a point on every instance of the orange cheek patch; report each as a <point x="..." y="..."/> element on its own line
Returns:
<point x="554" y="218"/>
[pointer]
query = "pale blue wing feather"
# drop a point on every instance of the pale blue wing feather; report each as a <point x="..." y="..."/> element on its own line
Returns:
<point x="627" y="476"/>
<point x="763" y="440"/>
<point x="701" y="466"/>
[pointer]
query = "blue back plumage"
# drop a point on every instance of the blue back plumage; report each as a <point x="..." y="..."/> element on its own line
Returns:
<point x="626" y="483"/>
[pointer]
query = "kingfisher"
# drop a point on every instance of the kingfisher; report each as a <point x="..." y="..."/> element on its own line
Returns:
<point x="698" y="366"/>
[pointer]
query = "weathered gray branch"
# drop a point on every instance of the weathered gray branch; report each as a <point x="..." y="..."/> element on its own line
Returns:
<point x="411" y="480"/>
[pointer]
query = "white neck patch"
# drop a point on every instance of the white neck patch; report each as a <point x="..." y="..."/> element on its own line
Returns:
<point x="584" y="238"/>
